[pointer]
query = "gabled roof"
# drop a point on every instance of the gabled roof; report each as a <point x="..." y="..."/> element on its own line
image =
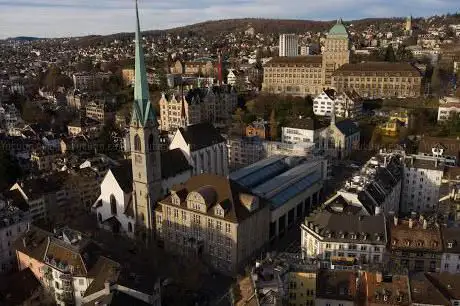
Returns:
<point x="123" y="173"/>
<point x="201" y="135"/>
<point x="347" y="127"/>
<point x="218" y="190"/>
<point x="173" y="162"/>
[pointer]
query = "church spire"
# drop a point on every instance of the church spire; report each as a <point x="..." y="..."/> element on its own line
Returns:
<point x="142" y="110"/>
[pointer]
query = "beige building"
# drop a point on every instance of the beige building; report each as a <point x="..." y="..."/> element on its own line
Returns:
<point x="127" y="75"/>
<point x="199" y="67"/>
<point x="43" y="160"/>
<point x="99" y="110"/>
<point x="379" y="80"/>
<point x="308" y="75"/>
<point x="213" y="218"/>
<point x="212" y="104"/>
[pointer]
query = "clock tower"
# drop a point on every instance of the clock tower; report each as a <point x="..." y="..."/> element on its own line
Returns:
<point x="144" y="139"/>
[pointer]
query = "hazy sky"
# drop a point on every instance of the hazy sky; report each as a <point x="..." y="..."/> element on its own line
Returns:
<point x="57" y="18"/>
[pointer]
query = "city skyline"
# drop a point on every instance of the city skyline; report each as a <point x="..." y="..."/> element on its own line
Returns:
<point x="45" y="18"/>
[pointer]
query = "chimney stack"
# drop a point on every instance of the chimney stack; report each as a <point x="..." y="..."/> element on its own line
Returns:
<point x="378" y="277"/>
<point x="395" y="220"/>
<point x="411" y="223"/>
<point x="425" y="224"/>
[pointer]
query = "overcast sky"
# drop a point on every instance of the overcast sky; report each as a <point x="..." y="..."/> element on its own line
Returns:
<point x="58" y="18"/>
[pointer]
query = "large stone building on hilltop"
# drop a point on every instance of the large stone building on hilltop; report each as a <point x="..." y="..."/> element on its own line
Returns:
<point x="310" y="75"/>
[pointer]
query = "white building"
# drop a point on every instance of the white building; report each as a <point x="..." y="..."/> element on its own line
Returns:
<point x="289" y="45"/>
<point x="421" y="183"/>
<point x="450" y="261"/>
<point x="235" y="77"/>
<point x="115" y="208"/>
<point x="448" y="106"/>
<point x="10" y="117"/>
<point x="204" y="147"/>
<point x="305" y="130"/>
<point x="347" y="104"/>
<point x="13" y="223"/>
<point x="327" y="235"/>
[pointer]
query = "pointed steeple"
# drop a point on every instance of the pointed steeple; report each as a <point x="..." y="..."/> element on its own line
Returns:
<point x="142" y="110"/>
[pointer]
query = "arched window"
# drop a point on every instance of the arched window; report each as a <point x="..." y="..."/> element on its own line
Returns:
<point x="151" y="143"/>
<point x="142" y="218"/>
<point x="137" y="143"/>
<point x="130" y="227"/>
<point x="113" y="205"/>
<point x="99" y="217"/>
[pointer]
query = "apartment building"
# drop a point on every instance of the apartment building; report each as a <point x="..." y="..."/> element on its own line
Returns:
<point x="204" y="147"/>
<point x="214" y="218"/>
<point x="197" y="105"/>
<point x="385" y="290"/>
<point x="257" y="128"/>
<point x="346" y="105"/>
<point x="288" y="45"/>
<point x="128" y="74"/>
<point x="13" y="223"/>
<point x="327" y="235"/>
<point x="445" y="150"/>
<point x="89" y="81"/>
<point x="292" y="186"/>
<point x="70" y="267"/>
<point x="448" y="108"/>
<point x="99" y="110"/>
<point x="415" y="244"/>
<point x="43" y="160"/>
<point x="376" y="189"/>
<point x="199" y="67"/>
<point x="450" y="261"/>
<point x="376" y="80"/>
<point x="421" y="183"/>
<point x="343" y="138"/>
<point x="337" y="288"/>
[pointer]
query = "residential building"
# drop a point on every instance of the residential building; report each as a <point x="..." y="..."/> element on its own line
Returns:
<point x="421" y="183"/>
<point x="204" y="147"/>
<point x="375" y="80"/>
<point x="336" y="52"/>
<point x="214" y="218"/>
<point x="46" y="197"/>
<point x="237" y="78"/>
<point x="213" y="104"/>
<point x="89" y="81"/>
<point x="43" y="160"/>
<point x="385" y="290"/>
<point x="76" y="100"/>
<point x="415" y="244"/>
<point x="199" y="67"/>
<point x="292" y="186"/>
<point x="70" y="266"/>
<point x="448" y="108"/>
<point x="335" y="288"/>
<point x="424" y="292"/>
<point x="13" y="223"/>
<point x="288" y="45"/>
<point x="128" y="74"/>
<point x="305" y="130"/>
<point x="99" y="110"/>
<point x="445" y="150"/>
<point x="327" y="235"/>
<point x="376" y="189"/>
<point x="347" y="104"/>
<point x="450" y="261"/>
<point x="257" y="128"/>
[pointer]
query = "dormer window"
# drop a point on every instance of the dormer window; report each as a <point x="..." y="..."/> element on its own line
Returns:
<point x="219" y="212"/>
<point x="407" y="242"/>
<point x="450" y="245"/>
<point x="352" y="236"/>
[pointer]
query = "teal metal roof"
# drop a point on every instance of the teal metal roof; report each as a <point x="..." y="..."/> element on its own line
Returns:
<point x="338" y="29"/>
<point x="142" y="110"/>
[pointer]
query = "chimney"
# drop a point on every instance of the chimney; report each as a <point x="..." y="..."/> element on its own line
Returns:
<point x="395" y="220"/>
<point x="425" y="224"/>
<point x="411" y="223"/>
<point x="378" y="277"/>
<point x="24" y="242"/>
